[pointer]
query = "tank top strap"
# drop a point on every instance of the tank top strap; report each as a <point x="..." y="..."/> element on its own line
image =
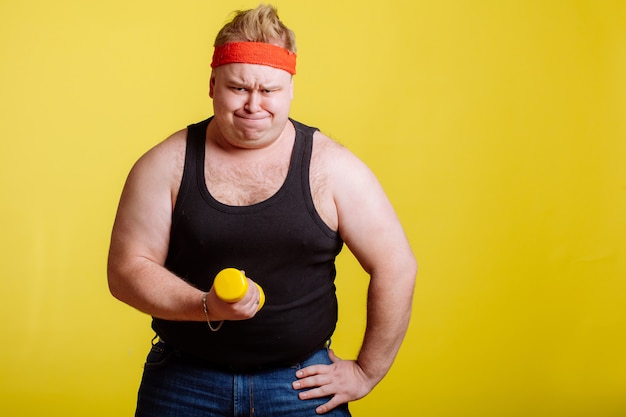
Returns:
<point x="194" y="152"/>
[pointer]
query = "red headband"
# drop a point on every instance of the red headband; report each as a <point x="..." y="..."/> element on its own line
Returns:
<point x="255" y="53"/>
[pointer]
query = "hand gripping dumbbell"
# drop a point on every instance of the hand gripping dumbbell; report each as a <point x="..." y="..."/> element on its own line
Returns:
<point x="231" y="285"/>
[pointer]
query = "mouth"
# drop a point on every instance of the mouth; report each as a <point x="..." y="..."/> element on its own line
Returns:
<point x="252" y="118"/>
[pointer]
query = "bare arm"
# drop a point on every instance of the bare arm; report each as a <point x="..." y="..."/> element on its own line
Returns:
<point x="140" y="241"/>
<point x="372" y="231"/>
<point x="369" y="226"/>
<point x="140" y="238"/>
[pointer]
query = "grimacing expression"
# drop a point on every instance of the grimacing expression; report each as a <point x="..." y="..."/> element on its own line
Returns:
<point x="251" y="102"/>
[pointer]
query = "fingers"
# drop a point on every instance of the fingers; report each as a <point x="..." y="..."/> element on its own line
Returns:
<point x="311" y="371"/>
<point x="249" y="305"/>
<point x="240" y="310"/>
<point x="324" y="390"/>
<point x="253" y="290"/>
<point x="324" y="408"/>
<point x="317" y="383"/>
<point x="340" y="382"/>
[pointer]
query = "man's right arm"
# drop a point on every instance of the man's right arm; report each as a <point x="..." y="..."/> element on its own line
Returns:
<point x="140" y="242"/>
<point x="140" y="238"/>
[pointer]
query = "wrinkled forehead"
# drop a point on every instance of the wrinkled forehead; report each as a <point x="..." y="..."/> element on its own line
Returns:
<point x="251" y="74"/>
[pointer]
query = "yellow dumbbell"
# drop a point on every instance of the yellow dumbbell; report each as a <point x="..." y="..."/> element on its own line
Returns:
<point x="231" y="285"/>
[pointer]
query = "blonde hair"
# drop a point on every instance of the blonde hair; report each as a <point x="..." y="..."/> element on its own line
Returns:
<point x="257" y="25"/>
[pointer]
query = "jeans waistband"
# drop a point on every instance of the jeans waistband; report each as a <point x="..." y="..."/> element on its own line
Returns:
<point x="194" y="360"/>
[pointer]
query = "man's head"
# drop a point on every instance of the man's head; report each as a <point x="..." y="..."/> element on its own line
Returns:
<point x="251" y="82"/>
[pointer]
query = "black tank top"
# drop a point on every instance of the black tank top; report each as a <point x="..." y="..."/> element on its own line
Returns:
<point x="281" y="243"/>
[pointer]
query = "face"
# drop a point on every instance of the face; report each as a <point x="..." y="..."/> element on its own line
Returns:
<point x="251" y="103"/>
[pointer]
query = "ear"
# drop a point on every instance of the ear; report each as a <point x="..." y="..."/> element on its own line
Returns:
<point x="211" y="84"/>
<point x="291" y="88"/>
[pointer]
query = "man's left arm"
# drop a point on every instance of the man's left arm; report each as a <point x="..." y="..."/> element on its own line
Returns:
<point x="370" y="228"/>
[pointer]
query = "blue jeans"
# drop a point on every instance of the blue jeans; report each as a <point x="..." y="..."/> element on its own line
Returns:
<point x="174" y="386"/>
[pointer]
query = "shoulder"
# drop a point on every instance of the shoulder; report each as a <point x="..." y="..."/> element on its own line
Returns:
<point x="144" y="211"/>
<point x="165" y="152"/>
<point x="336" y="162"/>
<point x="339" y="180"/>
<point x="166" y="159"/>
<point x="158" y="172"/>
<point x="328" y="150"/>
<point x="361" y="207"/>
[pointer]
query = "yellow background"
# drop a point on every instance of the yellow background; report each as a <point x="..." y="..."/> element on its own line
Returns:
<point x="498" y="129"/>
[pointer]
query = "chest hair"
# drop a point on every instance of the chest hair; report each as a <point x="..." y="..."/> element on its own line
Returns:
<point x="245" y="184"/>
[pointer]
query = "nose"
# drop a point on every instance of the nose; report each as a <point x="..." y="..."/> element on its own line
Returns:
<point x="253" y="103"/>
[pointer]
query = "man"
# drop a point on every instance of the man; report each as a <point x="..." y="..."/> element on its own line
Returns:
<point x="252" y="189"/>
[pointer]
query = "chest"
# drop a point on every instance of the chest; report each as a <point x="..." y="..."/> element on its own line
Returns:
<point x="244" y="182"/>
<point x="237" y="180"/>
